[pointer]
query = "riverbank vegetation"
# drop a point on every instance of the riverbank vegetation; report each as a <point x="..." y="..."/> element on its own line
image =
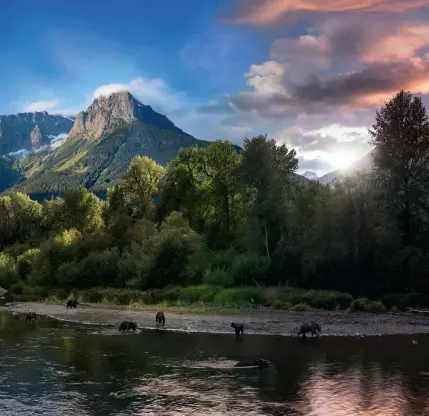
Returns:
<point x="220" y="227"/>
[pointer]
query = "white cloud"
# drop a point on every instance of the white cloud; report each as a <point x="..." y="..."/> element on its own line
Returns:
<point x="20" y="154"/>
<point x="154" y="92"/>
<point x="67" y="112"/>
<point x="41" y="105"/>
<point x="61" y="136"/>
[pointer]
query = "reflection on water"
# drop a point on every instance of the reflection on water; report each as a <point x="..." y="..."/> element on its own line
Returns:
<point x="52" y="368"/>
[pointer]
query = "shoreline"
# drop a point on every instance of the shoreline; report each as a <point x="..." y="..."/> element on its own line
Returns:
<point x="256" y="322"/>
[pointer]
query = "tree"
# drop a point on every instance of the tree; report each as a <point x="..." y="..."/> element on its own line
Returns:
<point x="265" y="175"/>
<point x="202" y="183"/>
<point x="139" y="186"/>
<point x="401" y="139"/>
<point x="19" y="217"/>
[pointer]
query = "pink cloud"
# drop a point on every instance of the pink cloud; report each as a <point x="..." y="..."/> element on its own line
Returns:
<point x="269" y="11"/>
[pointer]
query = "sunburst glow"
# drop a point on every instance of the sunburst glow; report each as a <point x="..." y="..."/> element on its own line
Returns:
<point x="341" y="160"/>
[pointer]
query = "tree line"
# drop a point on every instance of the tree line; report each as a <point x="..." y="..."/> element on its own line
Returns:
<point x="217" y="217"/>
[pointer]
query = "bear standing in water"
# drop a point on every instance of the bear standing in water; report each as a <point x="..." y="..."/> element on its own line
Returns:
<point x="239" y="328"/>
<point x="312" y="327"/>
<point x="127" y="325"/>
<point x="31" y="317"/>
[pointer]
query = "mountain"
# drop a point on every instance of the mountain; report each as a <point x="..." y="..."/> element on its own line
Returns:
<point x="30" y="131"/>
<point x="363" y="165"/>
<point x="310" y="175"/>
<point x="100" y="146"/>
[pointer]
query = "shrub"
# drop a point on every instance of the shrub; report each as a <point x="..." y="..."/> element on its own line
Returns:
<point x="218" y="277"/>
<point x="91" y="296"/>
<point x="8" y="273"/>
<point x="406" y="300"/>
<point x="203" y="293"/>
<point x="358" y="304"/>
<point x="301" y="307"/>
<point x="17" y="288"/>
<point x="248" y="268"/>
<point x="240" y="296"/>
<point x="394" y="309"/>
<point x="278" y="304"/>
<point x="320" y="299"/>
<point x="375" y="306"/>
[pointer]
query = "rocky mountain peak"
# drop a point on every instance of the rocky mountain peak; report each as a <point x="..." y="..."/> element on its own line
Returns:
<point x="310" y="175"/>
<point x="107" y="113"/>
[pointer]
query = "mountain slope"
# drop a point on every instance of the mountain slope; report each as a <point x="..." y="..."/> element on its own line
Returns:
<point x="101" y="144"/>
<point x="30" y="131"/>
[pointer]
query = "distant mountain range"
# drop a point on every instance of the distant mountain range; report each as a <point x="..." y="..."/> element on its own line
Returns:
<point x="25" y="132"/>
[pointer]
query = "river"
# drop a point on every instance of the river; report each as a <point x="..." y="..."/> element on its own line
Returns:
<point x="54" y="368"/>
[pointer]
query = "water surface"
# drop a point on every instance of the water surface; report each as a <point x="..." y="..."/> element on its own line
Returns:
<point x="51" y="368"/>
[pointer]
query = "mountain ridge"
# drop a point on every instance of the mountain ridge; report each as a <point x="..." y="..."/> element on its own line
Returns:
<point x="30" y="131"/>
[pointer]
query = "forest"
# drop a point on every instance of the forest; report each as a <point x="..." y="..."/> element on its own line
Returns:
<point x="216" y="225"/>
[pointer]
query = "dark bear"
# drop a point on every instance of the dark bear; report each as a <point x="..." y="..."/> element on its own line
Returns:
<point x="239" y="328"/>
<point x="72" y="303"/>
<point x="312" y="327"/>
<point x="31" y="317"/>
<point x="127" y="325"/>
<point x="160" y="318"/>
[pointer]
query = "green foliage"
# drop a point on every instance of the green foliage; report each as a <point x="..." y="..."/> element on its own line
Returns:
<point x="278" y="304"/>
<point x="301" y="307"/>
<point x="8" y="272"/>
<point x="375" y="306"/>
<point x="359" y="304"/>
<point x="243" y="296"/>
<point x="394" y="309"/>
<point x="249" y="268"/>
<point x="217" y="276"/>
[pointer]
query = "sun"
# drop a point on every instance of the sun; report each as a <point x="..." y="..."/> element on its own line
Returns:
<point x="341" y="160"/>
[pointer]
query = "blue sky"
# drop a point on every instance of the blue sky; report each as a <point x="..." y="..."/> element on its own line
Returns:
<point x="310" y="75"/>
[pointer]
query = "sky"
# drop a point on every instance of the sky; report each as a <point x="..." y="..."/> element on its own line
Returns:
<point x="308" y="73"/>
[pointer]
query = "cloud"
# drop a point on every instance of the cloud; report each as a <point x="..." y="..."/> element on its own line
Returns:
<point x="67" y="112"/>
<point x="42" y="105"/>
<point x="154" y="92"/>
<point x="264" y="12"/>
<point x="376" y="61"/>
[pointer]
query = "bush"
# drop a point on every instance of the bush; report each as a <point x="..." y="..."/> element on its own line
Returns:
<point x="278" y="304"/>
<point x="91" y="296"/>
<point x="218" y="277"/>
<point x="376" y="306"/>
<point x="248" y="268"/>
<point x="358" y="304"/>
<point x="240" y="297"/>
<point x="203" y="293"/>
<point x="324" y="299"/>
<point x="8" y="273"/>
<point x="394" y="309"/>
<point x="406" y="300"/>
<point x="301" y="307"/>
<point x="319" y="299"/>
<point x="17" y="288"/>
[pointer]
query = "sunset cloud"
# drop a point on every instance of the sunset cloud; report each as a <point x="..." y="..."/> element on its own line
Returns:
<point x="345" y="64"/>
<point x="265" y="12"/>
